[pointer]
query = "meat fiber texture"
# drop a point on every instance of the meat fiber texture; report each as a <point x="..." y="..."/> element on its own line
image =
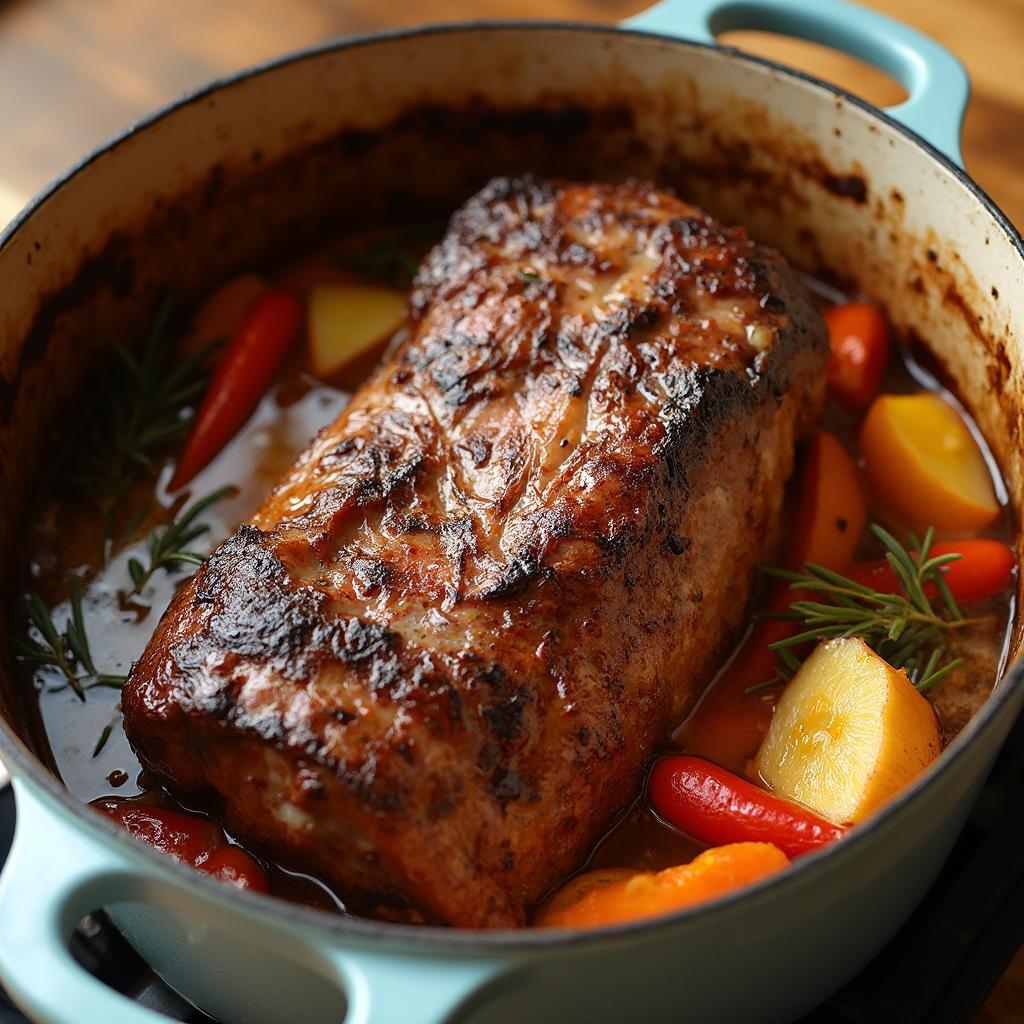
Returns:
<point x="435" y="663"/>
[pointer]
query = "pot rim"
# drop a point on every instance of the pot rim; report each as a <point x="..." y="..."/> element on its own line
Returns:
<point x="430" y="938"/>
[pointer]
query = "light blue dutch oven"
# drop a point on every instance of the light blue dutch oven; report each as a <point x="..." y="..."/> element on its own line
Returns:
<point x="372" y="125"/>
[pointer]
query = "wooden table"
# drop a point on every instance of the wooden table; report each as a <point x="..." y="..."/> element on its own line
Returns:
<point x="72" y="73"/>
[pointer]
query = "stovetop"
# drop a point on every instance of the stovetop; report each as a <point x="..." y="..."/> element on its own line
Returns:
<point x="939" y="968"/>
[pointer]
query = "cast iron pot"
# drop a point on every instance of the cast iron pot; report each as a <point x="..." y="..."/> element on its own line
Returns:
<point x="369" y="128"/>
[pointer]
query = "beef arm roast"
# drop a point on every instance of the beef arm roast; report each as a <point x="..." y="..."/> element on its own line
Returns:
<point x="434" y="664"/>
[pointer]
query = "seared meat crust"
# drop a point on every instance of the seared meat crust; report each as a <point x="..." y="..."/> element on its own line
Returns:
<point x="434" y="664"/>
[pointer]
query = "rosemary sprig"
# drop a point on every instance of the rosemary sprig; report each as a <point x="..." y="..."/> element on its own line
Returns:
<point x="169" y="545"/>
<point x="140" y="402"/>
<point x="906" y="629"/>
<point x="67" y="649"/>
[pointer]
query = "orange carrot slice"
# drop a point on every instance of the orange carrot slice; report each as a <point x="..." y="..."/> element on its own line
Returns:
<point x="598" y="898"/>
<point x="858" y="338"/>
<point x="831" y="512"/>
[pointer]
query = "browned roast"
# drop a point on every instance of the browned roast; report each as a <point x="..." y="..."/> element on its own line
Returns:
<point x="434" y="663"/>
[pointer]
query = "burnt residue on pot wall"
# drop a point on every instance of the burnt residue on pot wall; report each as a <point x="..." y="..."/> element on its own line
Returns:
<point x="111" y="268"/>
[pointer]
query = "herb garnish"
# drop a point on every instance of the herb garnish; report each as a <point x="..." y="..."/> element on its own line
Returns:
<point x="67" y="650"/>
<point x="395" y="258"/>
<point x="168" y="545"/>
<point x="140" y="402"/>
<point x="905" y="629"/>
<point x="530" y="276"/>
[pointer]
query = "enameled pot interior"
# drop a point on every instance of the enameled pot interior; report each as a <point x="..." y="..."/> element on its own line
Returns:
<point x="250" y="171"/>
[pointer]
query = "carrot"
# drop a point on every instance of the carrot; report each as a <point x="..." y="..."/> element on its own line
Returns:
<point x="858" y="338"/>
<point x="218" y="317"/>
<point x="924" y="466"/>
<point x="257" y="350"/>
<point x="831" y="511"/>
<point x="603" y="898"/>
<point x="984" y="568"/>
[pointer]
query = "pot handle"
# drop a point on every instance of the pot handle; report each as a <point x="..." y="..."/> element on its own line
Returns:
<point x="53" y="878"/>
<point x="935" y="80"/>
<point x="383" y="989"/>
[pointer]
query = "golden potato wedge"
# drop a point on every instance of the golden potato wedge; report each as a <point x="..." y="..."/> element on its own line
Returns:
<point x="348" y="320"/>
<point x="849" y="732"/>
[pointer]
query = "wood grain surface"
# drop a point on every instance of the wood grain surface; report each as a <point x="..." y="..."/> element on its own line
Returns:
<point x="73" y="72"/>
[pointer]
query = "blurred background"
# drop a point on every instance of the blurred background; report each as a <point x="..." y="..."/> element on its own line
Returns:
<point x="74" y="72"/>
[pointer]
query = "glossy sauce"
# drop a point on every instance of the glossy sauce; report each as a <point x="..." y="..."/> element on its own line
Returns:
<point x="66" y="535"/>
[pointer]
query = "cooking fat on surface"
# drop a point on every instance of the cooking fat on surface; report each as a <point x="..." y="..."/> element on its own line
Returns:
<point x="433" y="664"/>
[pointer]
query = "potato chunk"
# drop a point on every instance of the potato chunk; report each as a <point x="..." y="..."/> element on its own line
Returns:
<point x="346" y="321"/>
<point x="925" y="467"/>
<point x="850" y="732"/>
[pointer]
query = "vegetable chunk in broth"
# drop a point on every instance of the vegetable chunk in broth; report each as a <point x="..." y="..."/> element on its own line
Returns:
<point x="893" y="532"/>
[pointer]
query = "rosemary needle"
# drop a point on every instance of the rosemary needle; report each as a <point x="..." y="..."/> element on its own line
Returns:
<point x="106" y="733"/>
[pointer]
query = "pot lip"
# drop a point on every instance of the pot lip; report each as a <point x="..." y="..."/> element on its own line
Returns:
<point x="350" y="42"/>
<point x="425" y="939"/>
